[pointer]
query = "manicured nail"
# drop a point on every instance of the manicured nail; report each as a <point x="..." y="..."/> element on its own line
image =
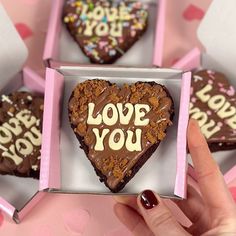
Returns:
<point x="148" y="199"/>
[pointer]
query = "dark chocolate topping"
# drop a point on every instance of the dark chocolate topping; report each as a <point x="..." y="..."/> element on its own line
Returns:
<point x="156" y="105"/>
<point x="105" y="29"/>
<point x="213" y="104"/>
<point x="21" y="116"/>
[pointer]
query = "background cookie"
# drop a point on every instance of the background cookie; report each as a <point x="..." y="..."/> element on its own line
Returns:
<point x="105" y="29"/>
<point x="213" y="104"/>
<point x="21" y="116"/>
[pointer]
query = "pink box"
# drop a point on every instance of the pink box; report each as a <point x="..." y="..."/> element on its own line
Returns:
<point x="168" y="177"/>
<point x="18" y="207"/>
<point x="58" y="39"/>
<point x="226" y="159"/>
<point x="218" y="39"/>
<point x="18" y="195"/>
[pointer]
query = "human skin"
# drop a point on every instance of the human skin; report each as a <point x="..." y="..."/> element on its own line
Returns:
<point x="212" y="211"/>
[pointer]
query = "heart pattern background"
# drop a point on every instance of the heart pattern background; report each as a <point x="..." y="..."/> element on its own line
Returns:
<point x="24" y="31"/>
<point x="192" y="12"/>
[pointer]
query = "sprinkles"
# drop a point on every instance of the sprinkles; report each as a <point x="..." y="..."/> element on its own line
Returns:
<point x="105" y="29"/>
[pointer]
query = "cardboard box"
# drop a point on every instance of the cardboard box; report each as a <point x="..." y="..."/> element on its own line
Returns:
<point x="61" y="49"/>
<point x="217" y="33"/>
<point x="164" y="172"/>
<point x="17" y="195"/>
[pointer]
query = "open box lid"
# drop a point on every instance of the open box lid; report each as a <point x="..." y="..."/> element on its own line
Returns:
<point x="13" y="51"/>
<point x="217" y="32"/>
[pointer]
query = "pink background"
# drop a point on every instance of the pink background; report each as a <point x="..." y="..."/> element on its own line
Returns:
<point x="82" y="214"/>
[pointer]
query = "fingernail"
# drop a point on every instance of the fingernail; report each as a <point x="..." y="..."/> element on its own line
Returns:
<point x="148" y="199"/>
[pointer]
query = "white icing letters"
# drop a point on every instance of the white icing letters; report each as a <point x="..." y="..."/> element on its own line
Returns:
<point x="23" y="146"/>
<point x="232" y="122"/>
<point x="116" y="29"/>
<point x="201" y="117"/>
<point x="99" y="139"/>
<point x="111" y="113"/>
<point x="207" y="128"/>
<point x="11" y="153"/>
<point x="125" y="119"/>
<point x="124" y="13"/>
<point x="5" y="135"/>
<point x="114" y="142"/>
<point x="111" y="13"/>
<point x="91" y="120"/>
<point x="140" y="114"/>
<point x="98" y="13"/>
<point x="102" y="29"/>
<point x="136" y="146"/>
<point x="89" y="26"/>
<point x="34" y="136"/>
<point x="103" y="21"/>
<point x="14" y="126"/>
<point x="26" y="118"/>
<point x="216" y="102"/>
<point x="210" y="129"/>
<point x="201" y="94"/>
<point x="226" y="111"/>
<point x="105" y="114"/>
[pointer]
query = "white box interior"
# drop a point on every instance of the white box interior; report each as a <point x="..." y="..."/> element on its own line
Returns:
<point x="17" y="190"/>
<point x="159" y="171"/>
<point x="140" y="54"/>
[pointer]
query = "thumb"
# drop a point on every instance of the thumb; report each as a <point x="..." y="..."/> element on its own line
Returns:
<point x="157" y="216"/>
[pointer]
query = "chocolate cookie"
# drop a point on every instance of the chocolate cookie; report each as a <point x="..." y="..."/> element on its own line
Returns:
<point x="213" y="104"/>
<point x="105" y="29"/>
<point x="119" y="128"/>
<point x="21" y="116"/>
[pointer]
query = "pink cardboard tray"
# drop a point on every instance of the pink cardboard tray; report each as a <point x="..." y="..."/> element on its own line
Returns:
<point x="226" y="159"/>
<point x="60" y="48"/>
<point x="164" y="172"/>
<point x="218" y="41"/>
<point x="19" y="195"/>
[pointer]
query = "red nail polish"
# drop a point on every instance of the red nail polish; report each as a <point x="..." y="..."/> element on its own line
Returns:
<point x="148" y="199"/>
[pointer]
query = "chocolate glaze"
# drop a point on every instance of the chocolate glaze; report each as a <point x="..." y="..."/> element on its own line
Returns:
<point x="225" y="137"/>
<point x="117" y="166"/>
<point x="10" y="106"/>
<point x="105" y="49"/>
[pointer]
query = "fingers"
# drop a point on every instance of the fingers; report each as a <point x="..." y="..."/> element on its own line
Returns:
<point x="132" y="220"/>
<point x="210" y="179"/>
<point x="193" y="207"/>
<point x="157" y="216"/>
<point x="127" y="200"/>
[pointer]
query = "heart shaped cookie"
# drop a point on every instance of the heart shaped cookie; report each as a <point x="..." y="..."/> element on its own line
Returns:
<point x="21" y="116"/>
<point x="105" y="29"/>
<point x="213" y="104"/>
<point x="119" y="127"/>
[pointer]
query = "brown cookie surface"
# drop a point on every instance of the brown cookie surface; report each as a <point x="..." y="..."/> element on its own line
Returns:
<point x="213" y="104"/>
<point x="21" y="115"/>
<point x="105" y="29"/>
<point x="119" y="127"/>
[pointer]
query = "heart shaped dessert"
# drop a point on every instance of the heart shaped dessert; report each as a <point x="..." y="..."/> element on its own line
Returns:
<point x="213" y="104"/>
<point x="119" y="128"/>
<point x="105" y="29"/>
<point x="21" y="116"/>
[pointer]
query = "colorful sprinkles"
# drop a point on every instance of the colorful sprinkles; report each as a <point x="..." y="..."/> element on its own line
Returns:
<point x="105" y="29"/>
